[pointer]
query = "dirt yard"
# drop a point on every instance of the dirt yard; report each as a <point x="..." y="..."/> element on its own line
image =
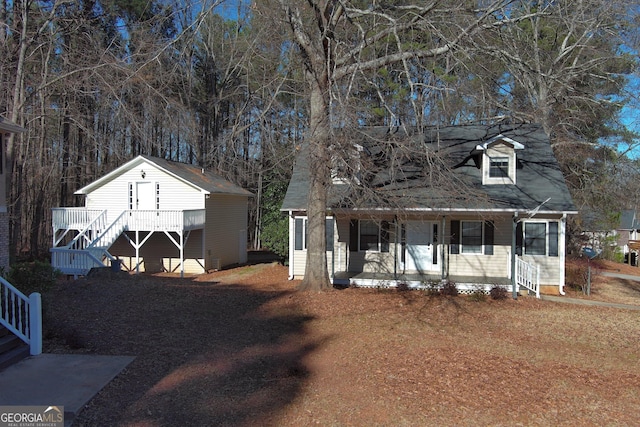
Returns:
<point x="242" y="348"/>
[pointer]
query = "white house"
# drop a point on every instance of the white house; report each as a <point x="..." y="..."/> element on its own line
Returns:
<point x="153" y="215"/>
<point x="499" y="220"/>
<point x="7" y="128"/>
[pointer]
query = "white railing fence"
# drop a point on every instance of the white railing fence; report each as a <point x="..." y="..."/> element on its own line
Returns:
<point x="528" y="276"/>
<point x="77" y="262"/>
<point x="22" y="315"/>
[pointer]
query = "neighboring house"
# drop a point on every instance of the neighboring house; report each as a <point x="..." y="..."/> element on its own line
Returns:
<point x="628" y="235"/>
<point x="20" y="315"/>
<point x="506" y="213"/>
<point x="6" y="129"/>
<point x="152" y="215"/>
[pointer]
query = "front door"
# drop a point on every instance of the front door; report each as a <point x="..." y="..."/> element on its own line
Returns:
<point x="145" y="198"/>
<point x="421" y="252"/>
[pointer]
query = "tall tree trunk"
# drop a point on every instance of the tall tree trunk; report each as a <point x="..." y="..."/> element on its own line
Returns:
<point x="316" y="274"/>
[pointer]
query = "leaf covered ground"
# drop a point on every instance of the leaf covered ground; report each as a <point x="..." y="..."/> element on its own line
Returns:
<point x="242" y="348"/>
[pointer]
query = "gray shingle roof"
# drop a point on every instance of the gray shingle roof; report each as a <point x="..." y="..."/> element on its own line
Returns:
<point x="199" y="177"/>
<point x="409" y="183"/>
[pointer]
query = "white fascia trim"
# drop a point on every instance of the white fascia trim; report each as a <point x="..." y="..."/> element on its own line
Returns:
<point x="449" y="210"/>
<point x="516" y="145"/>
<point x="128" y="166"/>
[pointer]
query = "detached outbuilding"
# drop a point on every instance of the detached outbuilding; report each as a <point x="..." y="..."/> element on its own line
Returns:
<point x="153" y="215"/>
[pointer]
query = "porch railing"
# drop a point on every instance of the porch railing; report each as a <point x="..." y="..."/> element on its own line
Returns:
<point x="528" y="276"/>
<point x="22" y="315"/>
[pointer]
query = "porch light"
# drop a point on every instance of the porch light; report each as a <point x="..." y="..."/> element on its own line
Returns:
<point x="142" y="173"/>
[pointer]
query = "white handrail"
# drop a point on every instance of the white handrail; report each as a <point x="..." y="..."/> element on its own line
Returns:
<point x="528" y="276"/>
<point x="109" y="236"/>
<point x="22" y="315"/>
<point x="93" y="229"/>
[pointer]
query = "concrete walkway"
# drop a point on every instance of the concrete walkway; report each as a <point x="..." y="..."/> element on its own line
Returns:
<point x="598" y="303"/>
<point x="68" y="380"/>
<point x="588" y="302"/>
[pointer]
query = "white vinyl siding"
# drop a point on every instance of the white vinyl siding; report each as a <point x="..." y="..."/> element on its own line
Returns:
<point x="226" y="219"/>
<point x="175" y="194"/>
<point x="224" y="234"/>
<point x="496" y="265"/>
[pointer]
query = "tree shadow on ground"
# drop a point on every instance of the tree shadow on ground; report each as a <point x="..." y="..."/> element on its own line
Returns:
<point x="205" y="355"/>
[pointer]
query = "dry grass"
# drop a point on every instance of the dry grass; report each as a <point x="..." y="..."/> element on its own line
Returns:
<point x="242" y="348"/>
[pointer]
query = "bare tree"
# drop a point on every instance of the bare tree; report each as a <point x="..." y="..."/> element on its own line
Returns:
<point x="338" y="41"/>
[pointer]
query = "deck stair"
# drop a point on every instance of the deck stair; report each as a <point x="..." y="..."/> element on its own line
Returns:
<point x="90" y="248"/>
<point x="20" y="324"/>
<point x="12" y="348"/>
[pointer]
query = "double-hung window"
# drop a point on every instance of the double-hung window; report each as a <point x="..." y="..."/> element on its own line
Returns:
<point x="300" y="233"/>
<point x="472" y="237"/>
<point x="499" y="167"/>
<point x="538" y="238"/>
<point x="369" y="236"/>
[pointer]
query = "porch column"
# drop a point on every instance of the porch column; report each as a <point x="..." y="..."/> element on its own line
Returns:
<point x="514" y="227"/>
<point x="291" y="244"/>
<point x="442" y="248"/>
<point x="562" y="252"/>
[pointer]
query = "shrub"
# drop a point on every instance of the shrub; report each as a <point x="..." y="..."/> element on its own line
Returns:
<point x="477" y="295"/>
<point x="401" y="287"/>
<point x="449" y="288"/>
<point x="498" y="293"/>
<point x="31" y="277"/>
<point x="431" y="289"/>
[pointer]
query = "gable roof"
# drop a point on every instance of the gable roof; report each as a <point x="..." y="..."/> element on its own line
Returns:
<point x="9" y="126"/>
<point x="206" y="181"/>
<point x="540" y="183"/>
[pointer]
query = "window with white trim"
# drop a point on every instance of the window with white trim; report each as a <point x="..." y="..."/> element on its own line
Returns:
<point x="300" y="233"/>
<point x="540" y="238"/>
<point x="369" y="236"/>
<point x="471" y="237"/>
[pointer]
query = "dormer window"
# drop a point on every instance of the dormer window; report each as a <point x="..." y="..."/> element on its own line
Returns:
<point x="346" y="164"/>
<point x="499" y="160"/>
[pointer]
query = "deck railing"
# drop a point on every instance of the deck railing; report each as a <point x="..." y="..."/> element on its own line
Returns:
<point x="528" y="276"/>
<point x="76" y="262"/>
<point x="22" y="315"/>
<point x="141" y="220"/>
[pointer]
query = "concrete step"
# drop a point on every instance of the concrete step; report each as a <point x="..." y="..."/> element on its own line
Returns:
<point x="16" y="351"/>
<point x="9" y="342"/>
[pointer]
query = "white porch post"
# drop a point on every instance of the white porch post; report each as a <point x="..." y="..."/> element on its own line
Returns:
<point x="562" y="252"/>
<point x="514" y="227"/>
<point x="35" y="324"/>
<point x="291" y="244"/>
<point x="442" y="248"/>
